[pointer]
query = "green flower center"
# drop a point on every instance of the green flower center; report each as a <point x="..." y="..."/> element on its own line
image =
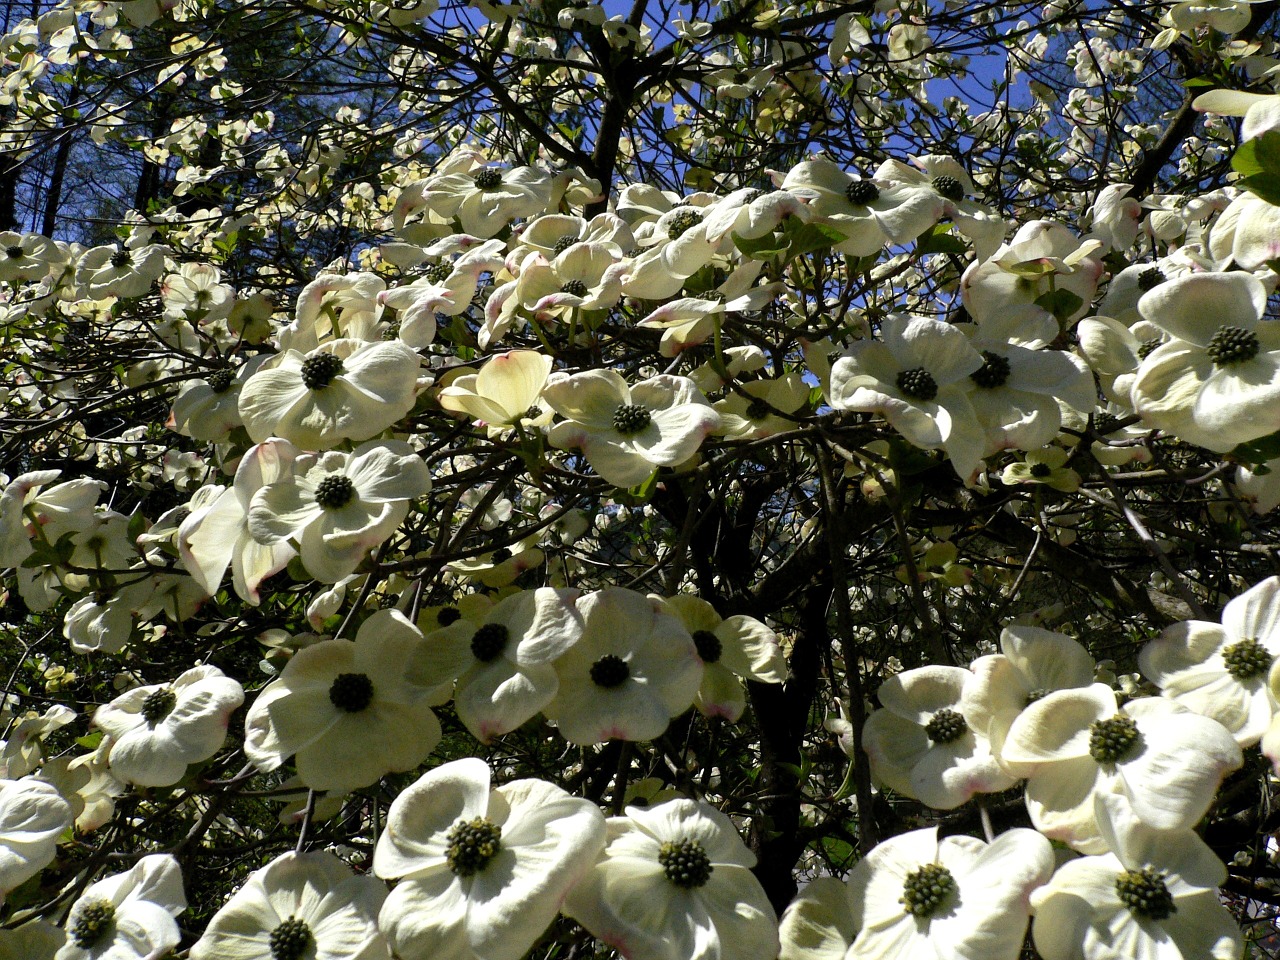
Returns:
<point x="610" y="671"/>
<point x="158" y="705"/>
<point x="1145" y="894"/>
<point x="220" y="381"/>
<point x="1246" y="659"/>
<point x="448" y="615"/>
<point x="489" y="641"/>
<point x="1232" y="345"/>
<point x="752" y="195"/>
<point x="708" y="644"/>
<point x="319" y="370"/>
<point x="712" y="296"/>
<point x="1039" y="693"/>
<point x="993" y="373"/>
<point x="1150" y="278"/>
<point x="533" y="413"/>
<point x="926" y="890"/>
<point x="289" y="941"/>
<point x="630" y="418"/>
<point x="945" y="726"/>
<point x="472" y="844"/>
<point x="1041" y="470"/>
<point x="949" y="187"/>
<point x="563" y="244"/>
<point x="681" y="222"/>
<point x="335" y="491"/>
<point x="437" y="272"/>
<point x="1146" y="348"/>
<point x="1110" y="740"/>
<point x="488" y="179"/>
<point x="94" y="920"/>
<point x="121" y="259"/>
<point x="577" y="288"/>
<point x="685" y="863"/>
<point x="861" y="192"/>
<point x="758" y="409"/>
<point x="351" y="692"/>
<point x="15" y="252"/>
<point x="918" y="384"/>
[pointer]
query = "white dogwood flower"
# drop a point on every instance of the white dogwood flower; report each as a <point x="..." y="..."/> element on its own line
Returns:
<point x="481" y="872"/>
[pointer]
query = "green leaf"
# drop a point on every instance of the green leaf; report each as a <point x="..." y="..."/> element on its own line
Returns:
<point x="137" y="526"/>
<point x="1061" y="303"/>
<point x="1258" y="451"/>
<point x="643" y="492"/>
<point x="760" y="248"/>
<point x="807" y="237"/>
<point x="1264" y="186"/>
<point x="1261" y="155"/>
<point x="939" y="239"/>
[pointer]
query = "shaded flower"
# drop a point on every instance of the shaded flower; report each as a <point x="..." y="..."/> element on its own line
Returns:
<point x="634" y="668"/>
<point x="923" y="743"/>
<point x="128" y="916"/>
<point x="161" y="729"/>
<point x="348" y="712"/>
<point x="33" y="816"/>
<point x="1045" y="466"/>
<point x="730" y="647"/>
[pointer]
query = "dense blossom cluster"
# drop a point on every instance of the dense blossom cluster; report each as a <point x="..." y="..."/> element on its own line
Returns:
<point x="377" y="482"/>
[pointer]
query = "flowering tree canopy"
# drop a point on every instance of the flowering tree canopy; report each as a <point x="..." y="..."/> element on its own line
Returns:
<point x="693" y="481"/>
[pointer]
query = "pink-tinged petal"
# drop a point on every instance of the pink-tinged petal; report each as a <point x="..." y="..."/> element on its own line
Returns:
<point x="495" y="698"/>
<point x="721" y="694"/>
<point x="207" y="539"/>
